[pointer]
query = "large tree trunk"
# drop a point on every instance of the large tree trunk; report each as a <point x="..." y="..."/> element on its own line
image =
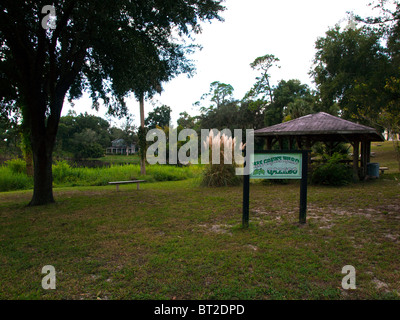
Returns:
<point x="29" y="163"/>
<point x="43" y="131"/>
<point x="42" y="149"/>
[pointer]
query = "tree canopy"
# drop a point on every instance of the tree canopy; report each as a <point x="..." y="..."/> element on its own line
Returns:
<point x="160" y="116"/>
<point x="262" y="88"/>
<point x="351" y="69"/>
<point x="220" y="93"/>
<point x="284" y="93"/>
<point x="83" y="136"/>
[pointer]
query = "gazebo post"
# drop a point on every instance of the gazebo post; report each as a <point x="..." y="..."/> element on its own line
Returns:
<point x="269" y="143"/>
<point x="364" y="159"/>
<point x="281" y="143"/>
<point x="308" y="144"/>
<point x="368" y="151"/>
<point x="298" y="140"/>
<point x="290" y="143"/>
<point x="356" y="151"/>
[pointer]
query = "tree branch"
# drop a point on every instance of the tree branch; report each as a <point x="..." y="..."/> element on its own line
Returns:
<point x="62" y="24"/>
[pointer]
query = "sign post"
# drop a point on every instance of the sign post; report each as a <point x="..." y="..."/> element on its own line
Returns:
<point x="277" y="165"/>
<point x="303" y="189"/>
<point x="246" y="195"/>
<point x="246" y="201"/>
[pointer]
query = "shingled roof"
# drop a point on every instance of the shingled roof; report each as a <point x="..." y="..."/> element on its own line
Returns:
<point x="320" y="124"/>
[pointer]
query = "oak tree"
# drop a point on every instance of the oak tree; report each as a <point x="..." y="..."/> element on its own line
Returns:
<point x="107" y="48"/>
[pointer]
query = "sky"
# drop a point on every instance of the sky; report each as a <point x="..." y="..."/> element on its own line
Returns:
<point x="287" y="29"/>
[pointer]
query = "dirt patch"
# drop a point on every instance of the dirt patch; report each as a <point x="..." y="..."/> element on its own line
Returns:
<point x="217" y="228"/>
<point x="380" y="285"/>
<point x="220" y="228"/>
<point x="392" y="237"/>
<point x="251" y="247"/>
<point x="262" y="214"/>
<point x="326" y="214"/>
<point x="390" y="209"/>
<point x="327" y="217"/>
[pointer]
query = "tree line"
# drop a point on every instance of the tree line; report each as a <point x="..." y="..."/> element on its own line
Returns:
<point x="356" y="73"/>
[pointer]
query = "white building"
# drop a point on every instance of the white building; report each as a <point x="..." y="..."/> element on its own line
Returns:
<point x="119" y="146"/>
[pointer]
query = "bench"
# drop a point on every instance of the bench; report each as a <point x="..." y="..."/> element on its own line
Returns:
<point x="117" y="183"/>
<point x="383" y="169"/>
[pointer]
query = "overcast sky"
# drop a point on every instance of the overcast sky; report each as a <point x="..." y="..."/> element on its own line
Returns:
<point x="287" y="29"/>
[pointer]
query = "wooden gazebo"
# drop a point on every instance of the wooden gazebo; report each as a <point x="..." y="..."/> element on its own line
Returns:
<point x="322" y="127"/>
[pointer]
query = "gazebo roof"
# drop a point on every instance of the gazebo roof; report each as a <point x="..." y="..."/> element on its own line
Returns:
<point x="322" y="125"/>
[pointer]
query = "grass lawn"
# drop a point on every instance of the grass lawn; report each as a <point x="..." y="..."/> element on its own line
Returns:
<point x="385" y="155"/>
<point x="176" y="240"/>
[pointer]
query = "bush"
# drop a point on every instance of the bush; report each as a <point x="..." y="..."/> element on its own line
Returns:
<point x="93" y="150"/>
<point x="223" y="174"/>
<point x="332" y="172"/>
<point x="10" y="180"/>
<point x="62" y="171"/>
<point x="16" y="165"/>
<point x="217" y="175"/>
<point x="169" y="173"/>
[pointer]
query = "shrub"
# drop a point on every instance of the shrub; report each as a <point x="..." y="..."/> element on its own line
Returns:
<point x="10" y="180"/>
<point x="169" y="173"/>
<point x="93" y="150"/>
<point x="16" y="165"/>
<point x="62" y="171"/>
<point x="332" y="172"/>
<point x="217" y="175"/>
<point x="223" y="174"/>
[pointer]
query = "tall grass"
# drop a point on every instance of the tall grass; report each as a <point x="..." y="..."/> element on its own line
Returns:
<point x="224" y="173"/>
<point x="66" y="176"/>
<point x="16" y="165"/>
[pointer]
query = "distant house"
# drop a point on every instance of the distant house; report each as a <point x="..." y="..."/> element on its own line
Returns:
<point x="119" y="146"/>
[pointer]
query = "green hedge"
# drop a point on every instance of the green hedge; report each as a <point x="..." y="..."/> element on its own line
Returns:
<point x="333" y="172"/>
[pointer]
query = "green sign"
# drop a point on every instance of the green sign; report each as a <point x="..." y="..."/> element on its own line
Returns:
<point x="276" y="166"/>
